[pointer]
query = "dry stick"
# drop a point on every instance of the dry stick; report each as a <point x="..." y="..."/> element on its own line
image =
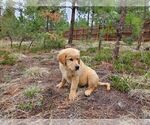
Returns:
<point x="21" y="43"/>
<point x="30" y="44"/>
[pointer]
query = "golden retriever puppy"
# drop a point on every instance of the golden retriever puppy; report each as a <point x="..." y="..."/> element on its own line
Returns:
<point x="74" y="71"/>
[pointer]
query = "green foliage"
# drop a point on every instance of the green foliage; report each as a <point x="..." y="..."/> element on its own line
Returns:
<point x="25" y="106"/>
<point x="136" y="62"/>
<point x="91" y="50"/>
<point x="62" y="26"/>
<point x="128" y="40"/>
<point x="9" y="27"/>
<point x="128" y="62"/>
<point x="104" y="55"/>
<point x="31" y="92"/>
<point x="119" y="84"/>
<point x="87" y="60"/>
<point x="6" y="59"/>
<point x="135" y="21"/>
<point x="81" y="23"/>
<point x="122" y="84"/>
<point x="3" y="53"/>
<point x="52" y="40"/>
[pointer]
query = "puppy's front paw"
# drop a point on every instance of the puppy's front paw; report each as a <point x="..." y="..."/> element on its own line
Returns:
<point x="60" y="85"/>
<point x="72" y="96"/>
<point x="88" y="92"/>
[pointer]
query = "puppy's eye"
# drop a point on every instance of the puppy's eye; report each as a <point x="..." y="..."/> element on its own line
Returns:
<point x="71" y="59"/>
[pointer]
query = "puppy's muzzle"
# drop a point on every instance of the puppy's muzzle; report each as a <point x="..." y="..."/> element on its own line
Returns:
<point x="77" y="68"/>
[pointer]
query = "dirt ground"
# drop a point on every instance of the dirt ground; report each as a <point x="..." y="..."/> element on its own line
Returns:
<point x="55" y="103"/>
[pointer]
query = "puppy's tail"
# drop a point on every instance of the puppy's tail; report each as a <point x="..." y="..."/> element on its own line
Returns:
<point x="104" y="84"/>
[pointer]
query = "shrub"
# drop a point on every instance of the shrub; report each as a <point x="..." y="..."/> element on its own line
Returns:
<point x="122" y="84"/>
<point x="104" y="55"/>
<point x="7" y="59"/>
<point x="53" y="40"/>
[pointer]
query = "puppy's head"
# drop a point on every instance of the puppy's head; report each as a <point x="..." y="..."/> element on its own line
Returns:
<point x="70" y="58"/>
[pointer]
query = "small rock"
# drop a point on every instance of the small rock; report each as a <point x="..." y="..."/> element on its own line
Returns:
<point x="121" y="105"/>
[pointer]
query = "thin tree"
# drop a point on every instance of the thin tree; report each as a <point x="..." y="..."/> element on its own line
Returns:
<point x="0" y="16"/>
<point x="120" y="28"/>
<point x="141" y="34"/>
<point x="72" y="22"/>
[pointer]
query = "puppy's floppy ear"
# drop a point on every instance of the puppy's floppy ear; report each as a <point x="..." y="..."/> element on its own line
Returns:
<point x="62" y="58"/>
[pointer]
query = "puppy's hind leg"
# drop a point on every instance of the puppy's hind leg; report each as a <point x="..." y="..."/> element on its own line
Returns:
<point x="104" y="84"/>
<point x="61" y="84"/>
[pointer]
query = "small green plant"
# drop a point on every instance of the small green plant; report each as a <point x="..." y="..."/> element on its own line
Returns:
<point x="91" y="50"/>
<point x="87" y="60"/>
<point x="122" y="84"/>
<point x="3" y="52"/>
<point x="8" y="60"/>
<point x="32" y="91"/>
<point x="128" y="40"/>
<point x="119" y="84"/>
<point x="104" y="55"/>
<point x="52" y="40"/>
<point x="25" y="106"/>
<point x="135" y="62"/>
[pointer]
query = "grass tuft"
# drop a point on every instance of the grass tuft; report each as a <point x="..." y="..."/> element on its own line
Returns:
<point x="122" y="84"/>
<point x="36" y="72"/>
<point x="104" y="55"/>
<point x="32" y="91"/>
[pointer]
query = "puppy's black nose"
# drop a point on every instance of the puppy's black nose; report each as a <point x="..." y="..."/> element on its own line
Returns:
<point x="77" y="67"/>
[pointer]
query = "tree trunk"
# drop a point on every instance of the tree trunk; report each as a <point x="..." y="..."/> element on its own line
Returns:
<point x="21" y="43"/>
<point x="30" y="44"/>
<point x="72" y="22"/>
<point x="119" y="29"/>
<point x="144" y="17"/>
<point x="0" y="18"/>
<point x="139" y="41"/>
<point x="88" y="20"/>
<point x="100" y="38"/>
<point x="47" y="20"/>
<point x="11" y="41"/>
<point x="91" y="29"/>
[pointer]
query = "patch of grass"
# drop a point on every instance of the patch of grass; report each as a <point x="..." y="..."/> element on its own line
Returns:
<point x="32" y="91"/>
<point x="54" y="44"/>
<point x="87" y="60"/>
<point x="3" y="52"/>
<point x="135" y="62"/>
<point x="92" y="50"/>
<point x="122" y="84"/>
<point x="104" y="55"/>
<point x="121" y="68"/>
<point x="25" y="106"/>
<point x="89" y="52"/>
<point x="7" y="60"/>
<point x="128" y="40"/>
<point x="36" y="72"/>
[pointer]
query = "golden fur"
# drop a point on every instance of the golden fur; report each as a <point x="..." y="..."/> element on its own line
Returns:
<point x="74" y="71"/>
